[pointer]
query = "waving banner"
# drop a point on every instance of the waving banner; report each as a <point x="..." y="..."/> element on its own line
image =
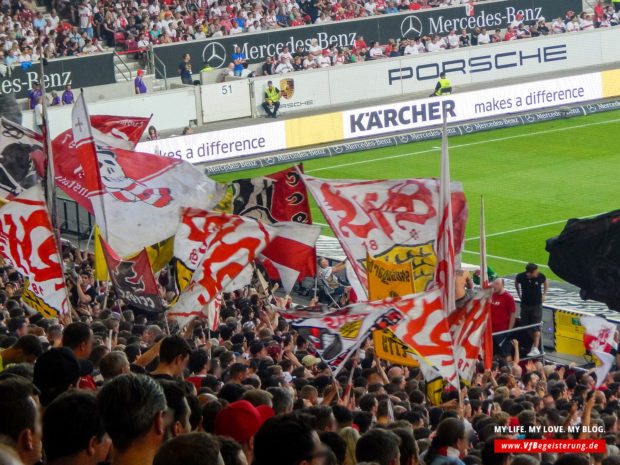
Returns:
<point x="22" y="159"/>
<point x="27" y="243"/>
<point x="133" y="279"/>
<point x="214" y="248"/>
<point x="392" y="220"/>
<point x="425" y="330"/>
<point x="338" y="334"/>
<point x="136" y="198"/>
<point x="275" y="198"/>
<point x="599" y="339"/>
<point x="468" y="325"/>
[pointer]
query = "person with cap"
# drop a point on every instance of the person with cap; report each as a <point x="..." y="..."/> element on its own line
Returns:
<point x="240" y="421"/>
<point x="132" y="409"/>
<point x="272" y="100"/>
<point x="58" y="370"/>
<point x="139" y="85"/>
<point x="443" y="87"/>
<point x="26" y="350"/>
<point x="324" y="61"/>
<point x="310" y="362"/>
<point x="72" y="431"/>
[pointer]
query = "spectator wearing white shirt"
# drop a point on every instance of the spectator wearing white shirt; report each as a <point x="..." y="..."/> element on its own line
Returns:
<point x="235" y="29"/>
<point x="285" y="55"/>
<point x="586" y="23"/>
<point x="411" y="49"/>
<point x="434" y="45"/>
<point x="324" y="61"/>
<point x="284" y="66"/>
<point x="376" y="51"/>
<point x="484" y="37"/>
<point x="558" y="26"/>
<point x="573" y="25"/>
<point x="518" y="20"/>
<point x="371" y="7"/>
<point x="452" y="40"/>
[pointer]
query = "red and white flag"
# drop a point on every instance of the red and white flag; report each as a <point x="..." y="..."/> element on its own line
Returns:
<point x="27" y="243"/>
<point x="445" y="273"/>
<point x="273" y="199"/>
<point x="599" y="339"/>
<point x="136" y="198"/>
<point x="291" y="255"/>
<point x="216" y="247"/>
<point x="394" y="220"/>
<point x="425" y="329"/>
<point x="468" y="328"/>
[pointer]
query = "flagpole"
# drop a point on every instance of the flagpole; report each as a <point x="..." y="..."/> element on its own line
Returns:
<point x="484" y="275"/>
<point x="50" y="175"/>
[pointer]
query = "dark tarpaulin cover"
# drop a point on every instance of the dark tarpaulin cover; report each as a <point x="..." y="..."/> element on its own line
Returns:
<point x="587" y="254"/>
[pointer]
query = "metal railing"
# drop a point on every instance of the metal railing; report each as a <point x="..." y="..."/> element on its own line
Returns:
<point x="541" y="346"/>
<point x="157" y="66"/>
<point x="119" y="69"/>
<point x="73" y="219"/>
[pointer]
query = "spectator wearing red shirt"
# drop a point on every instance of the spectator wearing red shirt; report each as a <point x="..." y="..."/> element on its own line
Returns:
<point x="510" y="34"/>
<point x="599" y="12"/>
<point x="359" y="43"/>
<point x="502" y="316"/>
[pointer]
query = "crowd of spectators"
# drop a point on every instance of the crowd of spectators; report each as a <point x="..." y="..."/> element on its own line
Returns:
<point x="83" y="27"/>
<point x="128" y="387"/>
<point x="316" y="57"/>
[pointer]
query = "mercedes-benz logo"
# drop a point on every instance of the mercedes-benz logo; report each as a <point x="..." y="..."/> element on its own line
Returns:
<point x="592" y="108"/>
<point x="214" y="55"/>
<point x="530" y="118"/>
<point x="411" y="26"/>
<point x="337" y="149"/>
<point x="269" y="161"/>
<point x="468" y="128"/>
<point x="403" y="139"/>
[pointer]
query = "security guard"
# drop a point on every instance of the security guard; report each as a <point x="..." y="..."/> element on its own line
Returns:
<point x="443" y="86"/>
<point x="272" y="100"/>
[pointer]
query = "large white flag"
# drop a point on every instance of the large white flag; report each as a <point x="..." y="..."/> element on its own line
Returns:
<point x="599" y="339"/>
<point x="27" y="243"/>
<point x="136" y="197"/>
<point x="393" y="220"/>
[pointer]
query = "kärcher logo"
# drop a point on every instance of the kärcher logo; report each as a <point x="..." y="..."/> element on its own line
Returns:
<point x="410" y="27"/>
<point x="214" y="55"/>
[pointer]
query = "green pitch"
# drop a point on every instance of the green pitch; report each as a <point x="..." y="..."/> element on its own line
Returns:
<point x="533" y="179"/>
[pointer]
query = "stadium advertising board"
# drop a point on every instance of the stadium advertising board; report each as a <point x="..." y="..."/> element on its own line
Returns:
<point x="400" y="76"/>
<point x="213" y="146"/>
<point x="85" y="71"/>
<point x="481" y="104"/>
<point x="217" y="53"/>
